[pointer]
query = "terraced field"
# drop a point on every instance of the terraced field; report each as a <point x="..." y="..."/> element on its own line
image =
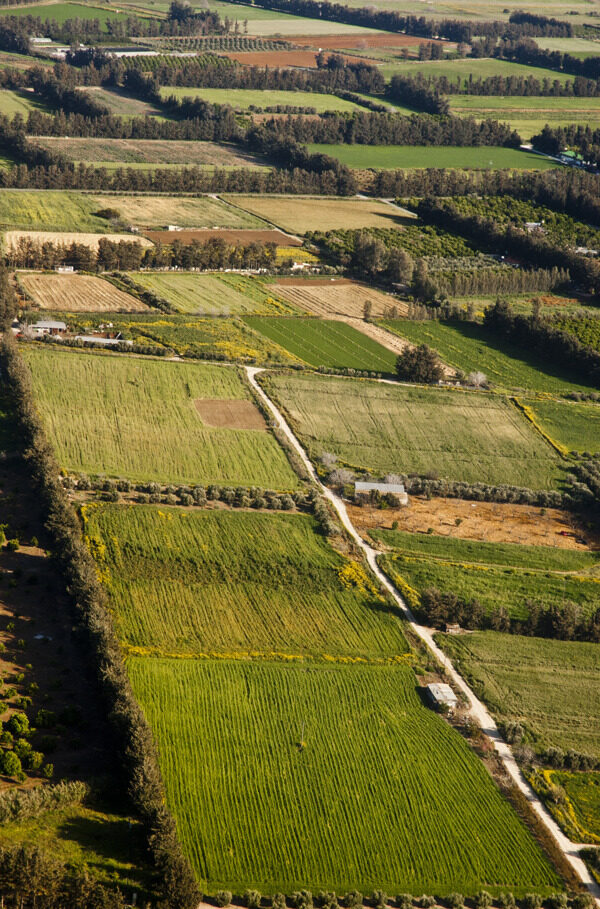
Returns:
<point x="138" y="419"/>
<point x="552" y="688"/>
<point x="292" y="776"/>
<point x="325" y="343"/>
<point x="215" y="294"/>
<point x="399" y="429"/>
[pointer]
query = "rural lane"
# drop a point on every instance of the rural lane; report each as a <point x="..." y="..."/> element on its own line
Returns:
<point x="477" y="709"/>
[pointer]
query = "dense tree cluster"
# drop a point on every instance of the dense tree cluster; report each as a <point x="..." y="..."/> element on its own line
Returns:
<point x="418" y="94"/>
<point x="419" y="364"/>
<point x="527" y="52"/>
<point x="513" y="85"/>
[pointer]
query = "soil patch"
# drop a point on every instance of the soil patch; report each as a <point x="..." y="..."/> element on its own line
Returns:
<point x="487" y="522"/>
<point x="237" y="237"/>
<point x="223" y="414"/>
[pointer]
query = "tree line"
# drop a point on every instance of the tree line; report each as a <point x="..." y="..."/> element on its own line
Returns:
<point x="528" y="52"/>
<point x="135" y="745"/>
<point x="417" y="93"/>
<point x="517" y="86"/>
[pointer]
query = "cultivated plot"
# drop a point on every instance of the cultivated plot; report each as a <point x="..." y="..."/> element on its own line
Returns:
<point x="138" y="419"/>
<point x="576" y="426"/>
<point x="78" y="293"/>
<point x="223" y="582"/>
<point x="20" y="102"/>
<point x="552" y="688"/>
<point x="336" y="297"/>
<point x="16" y="239"/>
<point x="460" y="435"/>
<point x="335" y="778"/>
<point x="215" y="294"/>
<point x="120" y="104"/>
<point x="127" y="152"/>
<point x="245" y="98"/>
<point x="158" y="211"/>
<point x="417" y="156"/>
<point x="298" y="214"/>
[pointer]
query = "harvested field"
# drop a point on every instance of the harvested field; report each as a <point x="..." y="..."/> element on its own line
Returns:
<point x="299" y="214"/>
<point x="482" y="521"/>
<point x="368" y="39"/>
<point x="237" y="237"/>
<point x="283" y="59"/>
<point x="230" y="414"/>
<point x="336" y="298"/>
<point x="148" y="151"/>
<point x="12" y="238"/>
<point x="78" y="293"/>
<point x="157" y="211"/>
<point x="244" y="99"/>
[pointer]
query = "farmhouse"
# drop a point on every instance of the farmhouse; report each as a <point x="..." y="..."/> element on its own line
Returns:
<point x="103" y="342"/>
<point x="396" y="489"/>
<point x="45" y="328"/>
<point x="441" y="695"/>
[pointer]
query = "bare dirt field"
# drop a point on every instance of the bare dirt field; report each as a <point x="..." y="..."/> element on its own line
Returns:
<point x="12" y="237"/>
<point x="238" y="237"/>
<point x="298" y="214"/>
<point x="484" y="521"/>
<point x="384" y="39"/>
<point x="337" y="298"/>
<point x="283" y="59"/>
<point x="230" y="414"/>
<point x="78" y="293"/>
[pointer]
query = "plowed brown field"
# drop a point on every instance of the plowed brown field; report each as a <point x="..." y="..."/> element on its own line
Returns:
<point x="78" y="293"/>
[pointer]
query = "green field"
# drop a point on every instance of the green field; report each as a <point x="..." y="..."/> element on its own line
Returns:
<point x="469" y="347"/>
<point x="321" y="342"/>
<point x="244" y="98"/>
<point x="489" y="573"/>
<point x="417" y="156"/>
<point x="214" y="294"/>
<point x="583" y="794"/>
<point x="20" y="102"/>
<point x="401" y="429"/>
<point x="60" y="210"/>
<point x="552" y="688"/>
<point x="483" y="68"/>
<point x="60" y="12"/>
<point x="528" y="114"/>
<point x="137" y="418"/>
<point x="228" y="582"/>
<point x="334" y="778"/>
<point x="140" y="153"/>
<point x="576" y="426"/>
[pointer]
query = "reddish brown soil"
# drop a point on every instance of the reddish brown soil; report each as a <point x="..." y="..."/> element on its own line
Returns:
<point x="384" y="39"/>
<point x="230" y="414"/>
<point x="239" y="237"/>
<point x="302" y="58"/>
<point x="483" y="521"/>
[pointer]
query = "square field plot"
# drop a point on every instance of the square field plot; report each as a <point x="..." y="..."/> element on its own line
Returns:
<point x="78" y="293"/>
<point x="225" y="582"/>
<point x="399" y="429"/>
<point x="299" y="214"/>
<point x="283" y="777"/>
<point x="137" y="418"/>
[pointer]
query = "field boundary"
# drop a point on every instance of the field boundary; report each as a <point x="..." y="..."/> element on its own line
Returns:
<point x="530" y="417"/>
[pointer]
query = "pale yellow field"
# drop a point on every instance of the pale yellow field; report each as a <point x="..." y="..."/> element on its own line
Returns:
<point x="338" y="299"/>
<point x="159" y="211"/>
<point x="298" y="214"/>
<point x="12" y="238"/>
<point x="78" y="293"/>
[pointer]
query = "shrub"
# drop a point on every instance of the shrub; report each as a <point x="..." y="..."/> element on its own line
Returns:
<point x="419" y="364"/>
<point x="22" y="749"/>
<point x="12" y="545"/>
<point x="48" y="771"/>
<point x="252" y="899"/>
<point x="456" y="901"/>
<point x="327" y="900"/>
<point x="18" y="724"/>
<point x="353" y="900"/>
<point x="278" y="901"/>
<point x="223" y="898"/>
<point x="302" y="899"/>
<point x="426" y="902"/>
<point x="45" y="719"/>
<point x="506" y="900"/>
<point x="532" y="901"/>
<point x="380" y="899"/>
<point x="583" y="901"/>
<point x="10" y="765"/>
<point x="483" y="899"/>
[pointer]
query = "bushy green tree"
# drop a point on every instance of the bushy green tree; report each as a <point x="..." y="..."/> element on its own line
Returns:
<point x="419" y="364"/>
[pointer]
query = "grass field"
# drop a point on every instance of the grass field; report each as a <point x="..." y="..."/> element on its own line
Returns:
<point x="417" y="156"/>
<point x="245" y="98"/>
<point x="484" y="68"/>
<point x="325" y="343"/>
<point x="215" y="294"/>
<point x="528" y="115"/>
<point x="128" y="152"/>
<point x="78" y="293"/>
<point x="63" y="11"/>
<point x="298" y="214"/>
<point x="576" y="426"/>
<point x="158" y="211"/>
<point x="583" y="802"/>
<point x="54" y="210"/>
<point x="138" y="419"/>
<point x="120" y="104"/>
<point x="245" y="583"/>
<point x="476" y="571"/>
<point x="331" y="297"/>
<point x="463" y="436"/>
<point x="469" y="347"/>
<point x="20" y="102"/>
<point x="552" y="688"/>
<point x="328" y="778"/>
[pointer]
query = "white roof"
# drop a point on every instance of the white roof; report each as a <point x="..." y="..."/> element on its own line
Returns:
<point x="61" y="325"/>
<point x="379" y="487"/>
<point x="107" y="342"/>
<point x="442" y="693"/>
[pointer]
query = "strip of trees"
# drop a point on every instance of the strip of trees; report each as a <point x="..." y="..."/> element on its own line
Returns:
<point x="517" y="86"/>
<point x="527" y="52"/>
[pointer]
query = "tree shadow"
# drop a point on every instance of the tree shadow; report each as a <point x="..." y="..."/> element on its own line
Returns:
<point x="108" y="845"/>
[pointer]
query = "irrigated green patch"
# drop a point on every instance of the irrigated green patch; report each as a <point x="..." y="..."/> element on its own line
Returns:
<point x="334" y="778"/>
<point x="419" y="156"/>
<point x="466" y="436"/>
<point x="576" y="426"/>
<point x="321" y="342"/>
<point x="214" y="294"/>
<point x="199" y="583"/>
<point x="60" y="12"/>
<point x="552" y="688"/>
<point x="469" y="347"/>
<point x="137" y="418"/>
<point x="245" y="98"/>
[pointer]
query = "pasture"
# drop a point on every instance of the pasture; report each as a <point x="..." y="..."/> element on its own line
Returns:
<point x="552" y="688"/>
<point x="325" y="343"/>
<point x="583" y="799"/>
<point x="331" y="296"/>
<point x="298" y="214"/>
<point x="483" y="68"/>
<point x="60" y="12"/>
<point x="20" y="102"/>
<point x="127" y="152"/>
<point x="138" y="419"/>
<point x="469" y="347"/>
<point x="247" y="583"/>
<point x="78" y="293"/>
<point x="242" y="99"/>
<point x="120" y="104"/>
<point x="193" y="211"/>
<point x="327" y="777"/>
<point x="215" y="294"/>
<point x="402" y="429"/>
<point x="419" y="156"/>
<point x="50" y="210"/>
<point x="576" y="426"/>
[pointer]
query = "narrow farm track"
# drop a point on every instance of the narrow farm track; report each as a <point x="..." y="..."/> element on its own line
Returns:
<point x="477" y="709"/>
